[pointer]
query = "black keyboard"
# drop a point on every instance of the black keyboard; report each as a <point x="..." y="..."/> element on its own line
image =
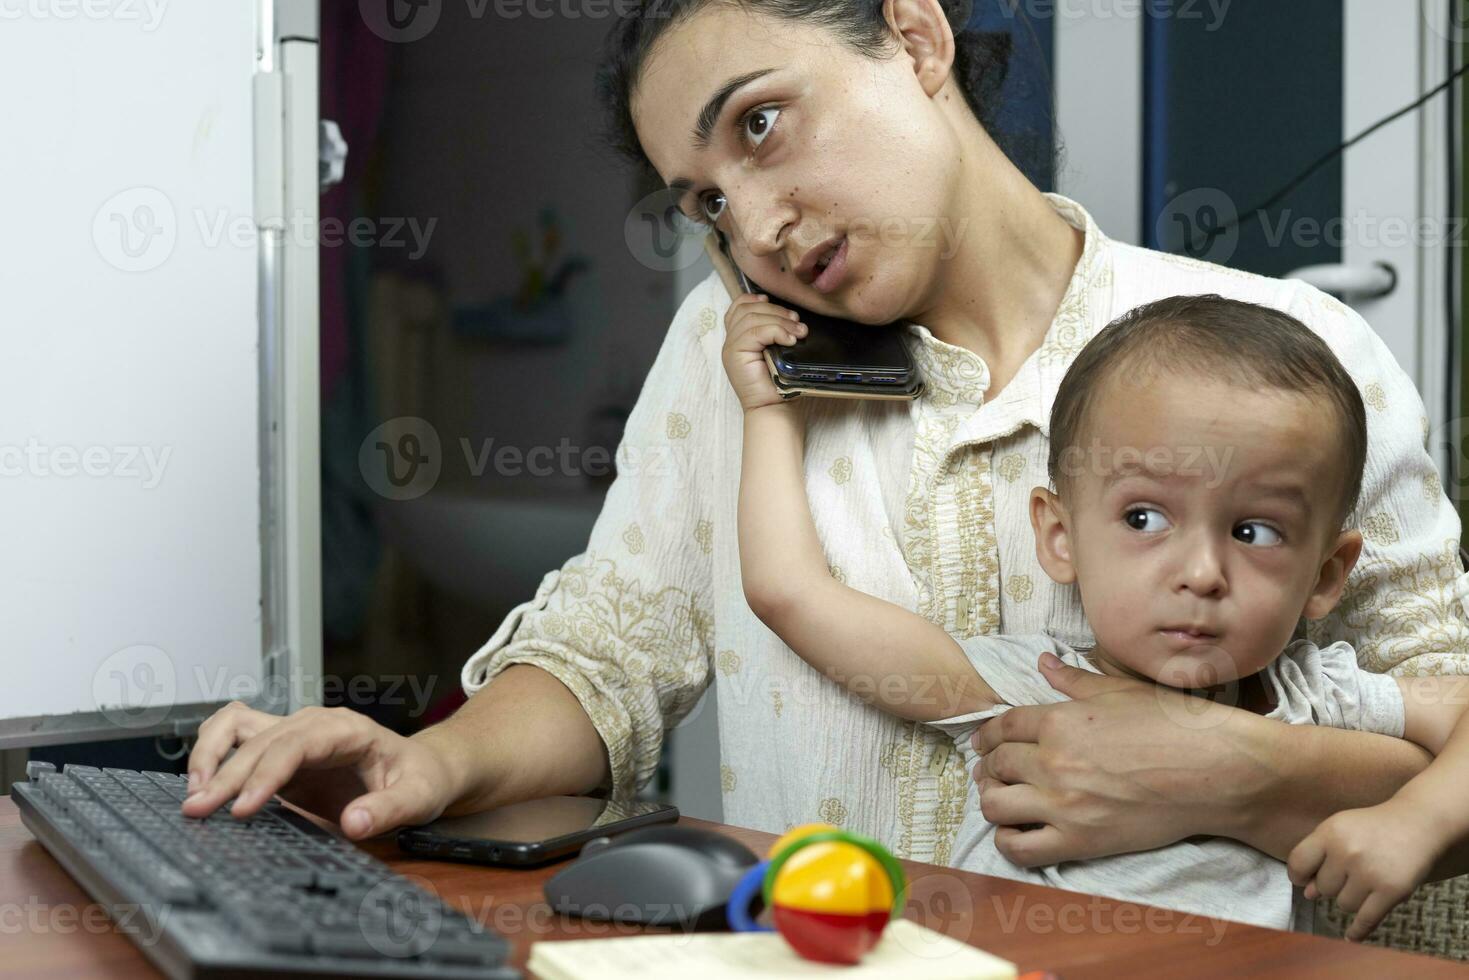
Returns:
<point x="274" y="895"/>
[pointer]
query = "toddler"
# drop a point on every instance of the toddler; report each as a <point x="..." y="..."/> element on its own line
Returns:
<point x="1205" y="455"/>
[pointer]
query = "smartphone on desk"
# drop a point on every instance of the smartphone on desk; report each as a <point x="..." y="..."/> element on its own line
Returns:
<point x="837" y="358"/>
<point x="530" y="833"/>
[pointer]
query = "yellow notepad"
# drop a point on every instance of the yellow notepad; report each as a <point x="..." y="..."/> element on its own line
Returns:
<point x="907" y="950"/>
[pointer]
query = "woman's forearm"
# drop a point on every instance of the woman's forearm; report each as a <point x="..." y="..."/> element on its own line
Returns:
<point x="523" y="737"/>
<point x="1289" y="778"/>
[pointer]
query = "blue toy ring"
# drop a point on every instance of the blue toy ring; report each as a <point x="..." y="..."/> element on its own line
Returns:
<point x="738" y="909"/>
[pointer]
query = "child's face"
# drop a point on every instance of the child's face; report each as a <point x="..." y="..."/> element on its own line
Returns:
<point x="1200" y="506"/>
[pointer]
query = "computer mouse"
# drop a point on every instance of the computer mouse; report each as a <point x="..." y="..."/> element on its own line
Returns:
<point x="662" y="875"/>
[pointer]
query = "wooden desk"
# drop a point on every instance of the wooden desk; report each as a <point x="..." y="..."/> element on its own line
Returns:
<point x="50" y="927"/>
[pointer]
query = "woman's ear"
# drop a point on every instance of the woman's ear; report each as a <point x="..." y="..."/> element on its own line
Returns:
<point x="927" y="37"/>
<point x="1049" y="520"/>
<point x="1326" y="593"/>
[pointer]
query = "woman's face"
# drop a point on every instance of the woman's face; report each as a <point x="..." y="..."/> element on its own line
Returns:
<point x="826" y="144"/>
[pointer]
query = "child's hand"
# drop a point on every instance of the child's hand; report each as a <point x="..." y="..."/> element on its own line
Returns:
<point x="752" y="324"/>
<point x="1369" y="860"/>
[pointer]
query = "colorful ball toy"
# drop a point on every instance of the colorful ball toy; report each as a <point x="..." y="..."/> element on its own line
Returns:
<point x="831" y="892"/>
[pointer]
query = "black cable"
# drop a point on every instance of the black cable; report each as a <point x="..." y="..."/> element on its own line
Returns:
<point x="1309" y="172"/>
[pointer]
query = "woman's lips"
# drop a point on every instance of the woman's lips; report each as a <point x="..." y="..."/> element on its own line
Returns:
<point x="832" y="277"/>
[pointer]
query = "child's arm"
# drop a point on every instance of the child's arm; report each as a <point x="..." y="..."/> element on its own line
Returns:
<point x="1371" y="859"/>
<point x="883" y="653"/>
<point x="886" y="655"/>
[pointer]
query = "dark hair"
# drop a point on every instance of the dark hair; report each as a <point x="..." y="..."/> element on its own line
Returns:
<point x="981" y="58"/>
<point x="1209" y="336"/>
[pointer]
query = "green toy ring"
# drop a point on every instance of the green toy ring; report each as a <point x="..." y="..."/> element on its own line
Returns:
<point x="882" y="854"/>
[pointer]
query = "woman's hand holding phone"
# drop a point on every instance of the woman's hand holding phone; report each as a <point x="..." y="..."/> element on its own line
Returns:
<point x="751" y="324"/>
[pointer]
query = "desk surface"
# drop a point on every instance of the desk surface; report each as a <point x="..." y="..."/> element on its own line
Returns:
<point x="62" y="932"/>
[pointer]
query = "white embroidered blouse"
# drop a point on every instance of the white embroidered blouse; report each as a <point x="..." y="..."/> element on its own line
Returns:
<point x="922" y="504"/>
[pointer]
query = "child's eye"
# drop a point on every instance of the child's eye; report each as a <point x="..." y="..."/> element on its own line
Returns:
<point x="1137" y="519"/>
<point x="1253" y="532"/>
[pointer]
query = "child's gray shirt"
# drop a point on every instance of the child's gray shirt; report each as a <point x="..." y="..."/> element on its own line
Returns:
<point x="1212" y="876"/>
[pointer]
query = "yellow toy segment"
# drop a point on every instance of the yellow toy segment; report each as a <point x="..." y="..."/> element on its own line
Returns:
<point x="832" y="877"/>
<point x="795" y="834"/>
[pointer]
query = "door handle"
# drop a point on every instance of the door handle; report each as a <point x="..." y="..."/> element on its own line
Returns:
<point x="331" y="153"/>
<point x="1350" y="282"/>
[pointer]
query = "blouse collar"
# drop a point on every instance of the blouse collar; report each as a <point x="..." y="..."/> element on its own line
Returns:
<point x="956" y="379"/>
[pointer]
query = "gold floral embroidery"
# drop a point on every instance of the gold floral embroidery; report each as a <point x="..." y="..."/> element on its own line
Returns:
<point x="1376" y="397"/>
<point x="832" y="811"/>
<point x="841" y="469"/>
<point x="1012" y="466"/>
<point x="951" y="488"/>
<point x="728" y="661"/>
<point x="952" y="376"/>
<point x="903" y="764"/>
<point x="633" y="538"/>
<point x="778" y="702"/>
<point x="837" y="573"/>
<point x="726" y="779"/>
<point x="678" y="425"/>
<point x="1432" y="486"/>
<point x="1394" y="611"/>
<point x="705" y="322"/>
<point x="664" y="632"/>
<point x="979" y="557"/>
<point x="704" y="536"/>
<point x="905" y="760"/>
<point x="1018" y="587"/>
<point x="1197" y="265"/>
<point x="948" y="814"/>
<point x="1380" y="529"/>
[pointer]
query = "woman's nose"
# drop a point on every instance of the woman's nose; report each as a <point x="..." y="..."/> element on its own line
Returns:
<point x="765" y="224"/>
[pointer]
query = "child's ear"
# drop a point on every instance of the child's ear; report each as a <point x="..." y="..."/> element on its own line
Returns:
<point x="1052" y="537"/>
<point x="1333" y="578"/>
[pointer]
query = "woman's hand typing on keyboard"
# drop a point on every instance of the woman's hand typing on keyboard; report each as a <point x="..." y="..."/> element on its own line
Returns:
<point x="334" y="762"/>
<point x="523" y="737"/>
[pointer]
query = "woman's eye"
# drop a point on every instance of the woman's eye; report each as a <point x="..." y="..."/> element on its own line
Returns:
<point x="1139" y="520"/>
<point x="750" y="125"/>
<point x="765" y="129"/>
<point x="704" y="211"/>
<point x="1253" y="532"/>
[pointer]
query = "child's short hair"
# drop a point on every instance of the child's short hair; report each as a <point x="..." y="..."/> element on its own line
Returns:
<point x="1212" y="337"/>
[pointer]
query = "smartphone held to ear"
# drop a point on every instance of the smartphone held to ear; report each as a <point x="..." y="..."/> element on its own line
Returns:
<point x="836" y="358"/>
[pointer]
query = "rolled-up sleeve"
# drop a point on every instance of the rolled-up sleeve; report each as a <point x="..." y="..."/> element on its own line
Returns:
<point x="627" y="625"/>
<point x="1403" y="608"/>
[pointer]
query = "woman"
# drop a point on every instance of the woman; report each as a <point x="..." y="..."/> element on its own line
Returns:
<point x="793" y="125"/>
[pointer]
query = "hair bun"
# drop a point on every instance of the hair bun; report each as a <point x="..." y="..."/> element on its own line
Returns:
<point x="958" y="12"/>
